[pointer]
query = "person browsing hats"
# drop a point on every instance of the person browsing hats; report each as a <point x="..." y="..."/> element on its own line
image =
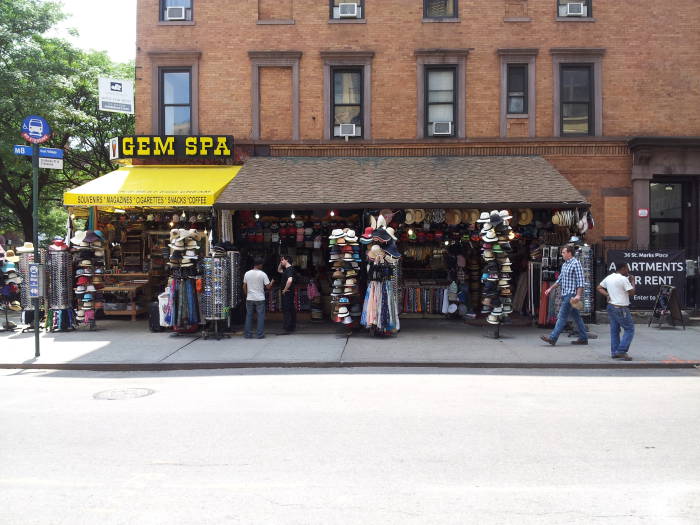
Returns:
<point x="617" y="289"/>
<point x="571" y="282"/>
<point x="289" y="312"/>
<point x="255" y="282"/>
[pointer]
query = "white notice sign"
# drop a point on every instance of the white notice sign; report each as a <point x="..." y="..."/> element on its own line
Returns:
<point x="116" y="95"/>
<point x="52" y="164"/>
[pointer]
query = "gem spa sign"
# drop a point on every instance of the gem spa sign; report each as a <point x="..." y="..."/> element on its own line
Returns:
<point x="179" y="146"/>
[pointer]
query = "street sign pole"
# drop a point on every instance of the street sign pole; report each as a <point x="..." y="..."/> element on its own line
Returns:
<point x="35" y="228"/>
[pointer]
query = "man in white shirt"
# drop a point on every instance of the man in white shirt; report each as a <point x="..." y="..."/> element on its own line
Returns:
<point x="617" y="288"/>
<point x="255" y="282"/>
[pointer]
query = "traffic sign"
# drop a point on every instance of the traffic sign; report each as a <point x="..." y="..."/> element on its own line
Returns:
<point x="36" y="280"/>
<point x="49" y="153"/>
<point x="35" y="129"/>
<point x="52" y="164"/>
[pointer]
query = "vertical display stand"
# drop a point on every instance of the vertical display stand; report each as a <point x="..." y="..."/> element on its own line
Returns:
<point x="216" y="295"/>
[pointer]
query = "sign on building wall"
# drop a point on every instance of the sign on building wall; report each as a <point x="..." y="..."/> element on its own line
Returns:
<point x="651" y="268"/>
<point x="179" y="146"/>
<point x="116" y="95"/>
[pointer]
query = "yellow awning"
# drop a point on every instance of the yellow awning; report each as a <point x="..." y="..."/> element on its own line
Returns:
<point x="154" y="187"/>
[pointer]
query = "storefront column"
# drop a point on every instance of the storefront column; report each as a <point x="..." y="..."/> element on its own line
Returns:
<point x="641" y="176"/>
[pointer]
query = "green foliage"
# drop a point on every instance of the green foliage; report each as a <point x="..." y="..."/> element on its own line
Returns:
<point x="49" y="77"/>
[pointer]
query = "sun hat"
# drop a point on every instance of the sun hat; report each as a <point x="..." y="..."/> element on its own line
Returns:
<point x="351" y="282"/>
<point x="484" y="217"/>
<point x="78" y="237"/>
<point x="381" y="235"/>
<point x="505" y="214"/>
<point x="506" y="268"/>
<point x="493" y="319"/>
<point x="90" y="237"/>
<point x="409" y="216"/>
<point x="343" y="311"/>
<point x="11" y="257"/>
<point x="27" y="247"/>
<point x="337" y="234"/>
<point x="85" y="262"/>
<point x="337" y="291"/>
<point x="351" y="236"/>
<point x="87" y="297"/>
<point x="338" y="274"/>
<point x="340" y="240"/>
<point x="453" y="217"/>
<point x="344" y="300"/>
<point x="525" y="216"/>
<point x="338" y="282"/>
<point x="489" y="237"/>
<point x="366" y="237"/>
<point x="419" y="215"/>
<point x="488" y="255"/>
<point x="470" y="216"/>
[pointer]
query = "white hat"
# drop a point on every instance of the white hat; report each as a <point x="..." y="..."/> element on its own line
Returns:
<point x="484" y="217"/>
<point x="337" y="234"/>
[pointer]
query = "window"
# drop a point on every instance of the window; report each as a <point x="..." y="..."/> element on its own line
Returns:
<point x="517" y="89"/>
<point x="574" y="8"/>
<point x="576" y="99"/>
<point x="176" y="101"/>
<point x="176" y="10"/>
<point x="347" y="9"/>
<point x="440" y="102"/>
<point x="347" y="101"/>
<point x="439" y="8"/>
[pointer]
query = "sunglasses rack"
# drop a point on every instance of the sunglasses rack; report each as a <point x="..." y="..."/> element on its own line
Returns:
<point x="9" y="293"/>
<point x="216" y="294"/>
<point x="28" y="314"/>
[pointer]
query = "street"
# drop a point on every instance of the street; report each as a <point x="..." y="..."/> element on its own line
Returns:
<point x="419" y="446"/>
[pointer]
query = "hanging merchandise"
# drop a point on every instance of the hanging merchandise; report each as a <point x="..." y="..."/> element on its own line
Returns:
<point x="26" y="257"/>
<point x="88" y="257"/>
<point x="182" y="311"/>
<point x="496" y="234"/>
<point x="216" y="293"/>
<point x="10" y="282"/>
<point x="236" y="279"/>
<point x="380" y="312"/>
<point x="61" y="316"/>
<point x="345" y="261"/>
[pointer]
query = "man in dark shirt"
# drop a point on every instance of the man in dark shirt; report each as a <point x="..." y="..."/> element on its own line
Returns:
<point x="289" y="312"/>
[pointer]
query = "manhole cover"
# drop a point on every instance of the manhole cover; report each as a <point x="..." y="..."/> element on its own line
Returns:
<point x="127" y="393"/>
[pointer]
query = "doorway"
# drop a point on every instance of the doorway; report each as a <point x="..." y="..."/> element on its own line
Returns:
<point x="673" y="215"/>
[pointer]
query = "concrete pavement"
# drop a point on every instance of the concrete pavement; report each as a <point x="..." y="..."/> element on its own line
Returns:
<point x="437" y="342"/>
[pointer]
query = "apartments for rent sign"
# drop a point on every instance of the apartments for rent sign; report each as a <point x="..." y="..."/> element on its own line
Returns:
<point x="651" y="269"/>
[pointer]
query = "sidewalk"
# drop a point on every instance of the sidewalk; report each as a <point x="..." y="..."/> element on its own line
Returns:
<point x="123" y="345"/>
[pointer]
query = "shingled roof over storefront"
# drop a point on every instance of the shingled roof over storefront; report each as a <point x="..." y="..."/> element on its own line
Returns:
<point x="363" y="182"/>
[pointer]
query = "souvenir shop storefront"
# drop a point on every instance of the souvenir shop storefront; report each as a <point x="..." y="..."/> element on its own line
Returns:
<point x="140" y="234"/>
<point x="378" y="240"/>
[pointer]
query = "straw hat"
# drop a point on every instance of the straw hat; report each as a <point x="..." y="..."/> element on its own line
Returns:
<point x="410" y="216"/>
<point x="525" y="216"/>
<point x="11" y="257"/>
<point x="419" y="215"/>
<point x="27" y="247"/>
<point x="470" y="216"/>
<point x="453" y="217"/>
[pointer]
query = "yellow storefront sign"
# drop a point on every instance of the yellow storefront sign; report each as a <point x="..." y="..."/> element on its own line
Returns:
<point x="154" y="187"/>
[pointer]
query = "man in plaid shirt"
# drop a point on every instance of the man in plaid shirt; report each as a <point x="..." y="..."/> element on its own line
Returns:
<point x="571" y="282"/>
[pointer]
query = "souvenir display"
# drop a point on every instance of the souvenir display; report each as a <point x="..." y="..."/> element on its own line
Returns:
<point x="61" y="316"/>
<point x="496" y="236"/>
<point x="10" y="282"/>
<point x="380" y="311"/>
<point x="87" y="248"/>
<point x="344" y="259"/>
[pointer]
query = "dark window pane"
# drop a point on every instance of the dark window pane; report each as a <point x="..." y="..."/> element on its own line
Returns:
<point x="176" y="120"/>
<point x="575" y="119"/>
<point x="516" y="104"/>
<point x="666" y="200"/>
<point x="176" y="87"/>
<point x="576" y="85"/>
<point x="665" y="236"/>
<point x="440" y="9"/>
<point x="516" y="79"/>
<point x="347" y="115"/>
<point x="347" y="87"/>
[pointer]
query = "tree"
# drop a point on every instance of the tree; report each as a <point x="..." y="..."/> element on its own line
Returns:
<point x="49" y="77"/>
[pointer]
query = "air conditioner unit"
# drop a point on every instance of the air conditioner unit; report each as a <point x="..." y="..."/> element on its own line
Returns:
<point x="347" y="130"/>
<point x="442" y="128"/>
<point x="576" y="9"/>
<point x="175" y="13"/>
<point x="347" y="10"/>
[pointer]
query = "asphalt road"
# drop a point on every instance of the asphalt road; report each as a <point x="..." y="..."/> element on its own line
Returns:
<point x="350" y="446"/>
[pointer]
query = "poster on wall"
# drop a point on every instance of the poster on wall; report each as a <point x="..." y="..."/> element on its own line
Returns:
<point x="651" y="268"/>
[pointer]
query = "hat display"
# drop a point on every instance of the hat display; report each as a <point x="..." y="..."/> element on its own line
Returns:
<point x="11" y="257"/>
<point x="409" y="216"/>
<point x="27" y="247"/>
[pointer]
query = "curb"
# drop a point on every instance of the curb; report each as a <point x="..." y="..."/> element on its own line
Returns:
<point x="162" y="367"/>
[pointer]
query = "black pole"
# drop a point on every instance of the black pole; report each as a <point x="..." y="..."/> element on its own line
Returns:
<point x="35" y="229"/>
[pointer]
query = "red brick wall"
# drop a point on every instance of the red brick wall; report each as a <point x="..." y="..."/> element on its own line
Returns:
<point x="275" y="103"/>
<point x="648" y="90"/>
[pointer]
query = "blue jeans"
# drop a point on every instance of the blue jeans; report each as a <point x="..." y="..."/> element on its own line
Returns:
<point x="620" y="317"/>
<point x="254" y="306"/>
<point x="565" y="311"/>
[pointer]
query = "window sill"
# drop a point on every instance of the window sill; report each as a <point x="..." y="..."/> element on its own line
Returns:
<point x="178" y="23"/>
<point x="347" y="21"/>
<point x="518" y="19"/>
<point x="440" y="20"/>
<point x="575" y="19"/>
<point x="275" y="22"/>
<point x="517" y="115"/>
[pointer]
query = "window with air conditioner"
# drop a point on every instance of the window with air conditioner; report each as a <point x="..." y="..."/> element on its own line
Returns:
<point x="175" y="10"/>
<point x="344" y="10"/>
<point x="440" y="101"/>
<point x="574" y="9"/>
<point x="347" y="99"/>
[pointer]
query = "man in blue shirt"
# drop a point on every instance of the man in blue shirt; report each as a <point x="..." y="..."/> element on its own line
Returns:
<point x="571" y="282"/>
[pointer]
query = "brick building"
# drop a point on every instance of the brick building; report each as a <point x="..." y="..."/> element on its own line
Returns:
<point x="607" y="92"/>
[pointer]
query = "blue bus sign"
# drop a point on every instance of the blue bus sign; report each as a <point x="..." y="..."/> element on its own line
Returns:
<point x="48" y="153"/>
<point x="35" y="129"/>
<point x="36" y="280"/>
